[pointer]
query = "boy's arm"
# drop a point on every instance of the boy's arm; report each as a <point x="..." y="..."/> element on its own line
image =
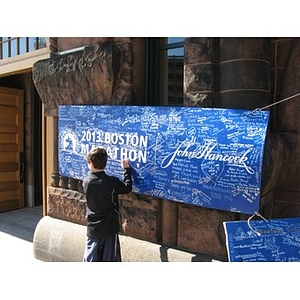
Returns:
<point x="125" y="187"/>
<point x="125" y="164"/>
<point x="85" y="185"/>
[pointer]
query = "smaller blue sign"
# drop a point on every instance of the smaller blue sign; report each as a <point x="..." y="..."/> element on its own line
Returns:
<point x="277" y="240"/>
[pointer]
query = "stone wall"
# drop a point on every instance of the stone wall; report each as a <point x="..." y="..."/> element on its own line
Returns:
<point x="218" y="72"/>
<point x="100" y="74"/>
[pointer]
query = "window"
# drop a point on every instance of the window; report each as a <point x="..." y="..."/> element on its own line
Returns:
<point x="13" y="46"/>
<point x="165" y="71"/>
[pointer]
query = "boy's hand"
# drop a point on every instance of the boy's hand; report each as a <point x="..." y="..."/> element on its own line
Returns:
<point x="125" y="163"/>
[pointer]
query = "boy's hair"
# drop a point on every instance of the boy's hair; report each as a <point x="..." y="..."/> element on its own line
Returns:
<point x="98" y="156"/>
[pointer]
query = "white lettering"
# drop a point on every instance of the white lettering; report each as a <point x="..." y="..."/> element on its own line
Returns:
<point x="134" y="140"/>
<point x="120" y="139"/>
<point x="113" y="140"/>
<point x="107" y="138"/>
<point x="143" y="141"/>
<point x="133" y="155"/>
<point x="123" y="153"/>
<point x="185" y="150"/>
<point x="85" y="148"/>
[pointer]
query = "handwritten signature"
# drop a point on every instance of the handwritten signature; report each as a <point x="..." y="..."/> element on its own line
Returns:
<point x="189" y="148"/>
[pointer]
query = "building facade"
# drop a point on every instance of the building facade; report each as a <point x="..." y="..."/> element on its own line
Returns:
<point x="241" y="73"/>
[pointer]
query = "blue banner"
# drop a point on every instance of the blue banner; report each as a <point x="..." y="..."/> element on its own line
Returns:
<point x="202" y="156"/>
<point x="277" y="240"/>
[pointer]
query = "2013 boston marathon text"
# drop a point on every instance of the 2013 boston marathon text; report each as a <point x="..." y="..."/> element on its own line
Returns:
<point x="133" y="146"/>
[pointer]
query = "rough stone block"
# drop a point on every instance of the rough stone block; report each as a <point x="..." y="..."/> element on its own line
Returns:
<point x="198" y="78"/>
<point x="201" y="229"/>
<point x="90" y="76"/>
<point x="66" y="205"/>
<point x="197" y="50"/>
<point x="140" y="216"/>
<point x="198" y="99"/>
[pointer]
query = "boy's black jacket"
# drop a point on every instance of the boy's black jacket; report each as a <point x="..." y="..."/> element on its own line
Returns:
<point x="101" y="192"/>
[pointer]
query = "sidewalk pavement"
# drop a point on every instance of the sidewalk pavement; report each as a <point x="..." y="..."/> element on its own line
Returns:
<point x="16" y="234"/>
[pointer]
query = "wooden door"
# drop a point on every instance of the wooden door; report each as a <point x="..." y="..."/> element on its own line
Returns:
<point x="11" y="149"/>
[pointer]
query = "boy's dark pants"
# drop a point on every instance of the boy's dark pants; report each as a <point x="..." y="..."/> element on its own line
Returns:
<point x="105" y="249"/>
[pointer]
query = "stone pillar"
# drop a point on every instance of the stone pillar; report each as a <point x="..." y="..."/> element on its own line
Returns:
<point x="244" y="72"/>
<point x="244" y="83"/>
<point x="287" y="188"/>
<point x="199" y="72"/>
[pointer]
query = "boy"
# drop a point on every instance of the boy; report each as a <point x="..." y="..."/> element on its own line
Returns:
<point x="102" y="217"/>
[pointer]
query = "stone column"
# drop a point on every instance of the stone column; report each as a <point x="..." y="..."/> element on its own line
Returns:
<point x="287" y="187"/>
<point x="199" y="72"/>
<point x="244" y="83"/>
<point x="244" y="72"/>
